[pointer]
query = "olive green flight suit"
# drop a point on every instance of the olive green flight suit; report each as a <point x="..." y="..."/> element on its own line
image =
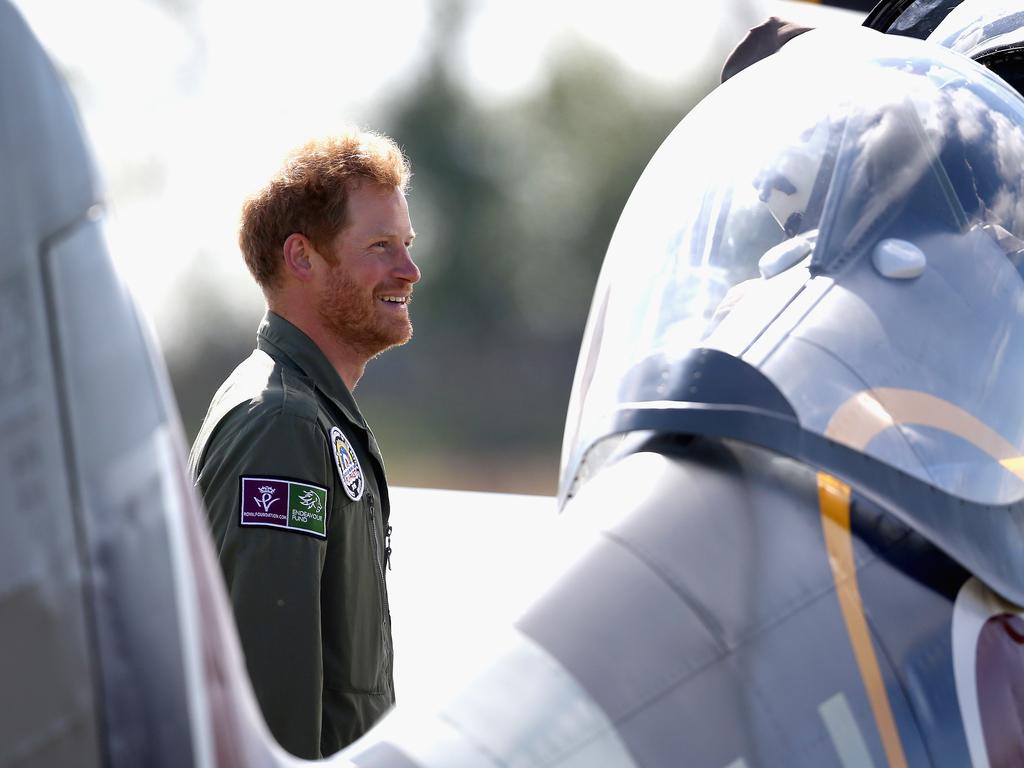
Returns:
<point x="303" y="560"/>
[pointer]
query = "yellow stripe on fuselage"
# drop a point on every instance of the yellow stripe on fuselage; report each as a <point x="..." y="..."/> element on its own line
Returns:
<point x="834" y="501"/>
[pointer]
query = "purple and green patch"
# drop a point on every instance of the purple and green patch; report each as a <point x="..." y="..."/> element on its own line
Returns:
<point x="284" y="504"/>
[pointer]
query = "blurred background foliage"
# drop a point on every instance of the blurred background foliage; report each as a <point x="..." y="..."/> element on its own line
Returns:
<point x="515" y="193"/>
<point x="514" y="202"/>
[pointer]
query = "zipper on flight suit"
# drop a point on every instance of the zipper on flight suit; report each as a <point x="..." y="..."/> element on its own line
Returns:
<point x="375" y="546"/>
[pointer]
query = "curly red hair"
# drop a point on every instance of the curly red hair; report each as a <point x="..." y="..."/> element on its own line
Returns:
<point x="308" y="195"/>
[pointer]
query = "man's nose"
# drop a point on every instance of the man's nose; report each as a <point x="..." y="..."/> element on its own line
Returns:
<point x="405" y="267"/>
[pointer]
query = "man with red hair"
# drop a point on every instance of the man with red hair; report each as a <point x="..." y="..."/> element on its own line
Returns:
<point x="290" y="472"/>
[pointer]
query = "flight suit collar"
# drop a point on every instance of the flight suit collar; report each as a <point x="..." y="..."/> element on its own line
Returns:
<point x="289" y="346"/>
<point x="280" y="339"/>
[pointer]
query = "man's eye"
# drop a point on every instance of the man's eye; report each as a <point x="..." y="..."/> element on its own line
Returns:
<point x="380" y="244"/>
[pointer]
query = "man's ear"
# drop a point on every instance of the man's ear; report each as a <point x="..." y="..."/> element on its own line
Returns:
<point x="298" y="252"/>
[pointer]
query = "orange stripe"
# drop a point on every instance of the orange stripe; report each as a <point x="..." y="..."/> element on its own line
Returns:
<point x="834" y="501"/>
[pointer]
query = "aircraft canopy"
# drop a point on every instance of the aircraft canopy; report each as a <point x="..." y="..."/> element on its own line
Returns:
<point x="833" y="238"/>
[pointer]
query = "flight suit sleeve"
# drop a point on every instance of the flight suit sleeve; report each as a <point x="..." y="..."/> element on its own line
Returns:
<point x="273" y="574"/>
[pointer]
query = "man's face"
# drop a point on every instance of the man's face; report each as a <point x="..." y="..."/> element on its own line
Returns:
<point x="365" y="298"/>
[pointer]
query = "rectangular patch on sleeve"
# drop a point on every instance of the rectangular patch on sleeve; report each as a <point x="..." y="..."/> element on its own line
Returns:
<point x="285" y="504"/>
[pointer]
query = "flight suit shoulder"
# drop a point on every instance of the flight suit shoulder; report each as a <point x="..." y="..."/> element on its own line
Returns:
<point x="297" y="394"/>
<point x="260" y="398"/>
<point x="259" y="455"/>
<point x="267" y="386"/>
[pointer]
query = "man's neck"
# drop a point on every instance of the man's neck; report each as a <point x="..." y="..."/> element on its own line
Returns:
<point x="348" y="362"/>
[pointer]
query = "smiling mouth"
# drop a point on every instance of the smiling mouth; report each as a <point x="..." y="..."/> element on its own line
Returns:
<point x="400" y="301"/>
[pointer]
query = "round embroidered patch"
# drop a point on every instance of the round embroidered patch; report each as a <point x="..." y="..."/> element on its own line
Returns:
<point x="349" y="471"/>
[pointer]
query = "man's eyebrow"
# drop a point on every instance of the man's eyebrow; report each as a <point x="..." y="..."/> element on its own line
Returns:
<point x="386" y="234"/>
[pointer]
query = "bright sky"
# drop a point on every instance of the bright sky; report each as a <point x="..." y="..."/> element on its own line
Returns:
<point x="190" y="111"/>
